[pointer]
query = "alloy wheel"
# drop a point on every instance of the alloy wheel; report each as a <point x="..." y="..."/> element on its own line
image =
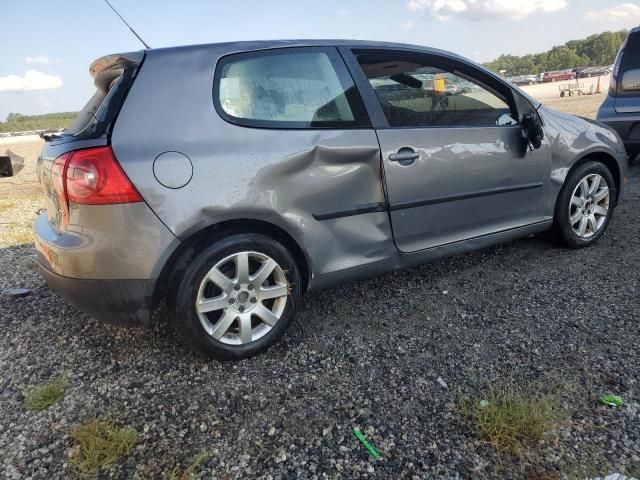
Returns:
<point x="589" y="205"/>
<point x="242" y="297"/>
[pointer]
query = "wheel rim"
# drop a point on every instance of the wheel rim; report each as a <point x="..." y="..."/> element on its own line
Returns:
<point x="242" y="298"/>
<point x="589" y="205"/>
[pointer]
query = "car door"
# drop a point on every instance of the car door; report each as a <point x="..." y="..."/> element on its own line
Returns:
<point x="455" y="161"/>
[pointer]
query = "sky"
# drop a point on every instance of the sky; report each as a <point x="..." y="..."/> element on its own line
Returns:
<point x="46" y="47"/>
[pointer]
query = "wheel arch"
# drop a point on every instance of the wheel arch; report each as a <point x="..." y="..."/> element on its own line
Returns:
<point x="200" y="238"/>
<point x="607" y="160"/>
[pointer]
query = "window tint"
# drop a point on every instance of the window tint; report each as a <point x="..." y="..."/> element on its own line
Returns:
<point x="292" y="88"/>
<point x="413" y="93"/>
<point x="631" y="53"/>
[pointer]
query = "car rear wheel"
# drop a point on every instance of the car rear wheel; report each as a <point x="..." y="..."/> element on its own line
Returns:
<point x="585" y="205"/>
<point x="236" y="297"/>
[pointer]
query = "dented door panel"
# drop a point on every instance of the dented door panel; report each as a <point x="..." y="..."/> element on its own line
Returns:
<point x="303" y="181"/>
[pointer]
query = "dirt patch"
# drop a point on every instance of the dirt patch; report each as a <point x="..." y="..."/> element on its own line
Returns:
<point x="26" y="181"/>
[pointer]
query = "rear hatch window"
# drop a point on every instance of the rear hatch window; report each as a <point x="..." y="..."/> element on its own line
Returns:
<point x="113" y="76"/>
<point x="627" y="101"/>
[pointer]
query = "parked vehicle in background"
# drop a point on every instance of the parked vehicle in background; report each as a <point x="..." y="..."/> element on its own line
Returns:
<point x="621" y="108"/>
<point x="257" y="171"/>
<point x="579" y="71"/>
<point x="558" y="76"/>
<point x="595" y="71"/>
<point x="524" y="80"/>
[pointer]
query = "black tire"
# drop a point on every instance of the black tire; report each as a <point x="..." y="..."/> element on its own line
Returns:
<point x="193" y="267"/>
<point x="561" y="224"/>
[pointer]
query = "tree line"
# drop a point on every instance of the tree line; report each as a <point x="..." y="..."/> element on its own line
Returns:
<point x="16" y="122"/>
<point x="594" y="51"/>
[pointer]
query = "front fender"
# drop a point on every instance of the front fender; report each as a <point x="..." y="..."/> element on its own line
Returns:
<point x="572" y="140"/>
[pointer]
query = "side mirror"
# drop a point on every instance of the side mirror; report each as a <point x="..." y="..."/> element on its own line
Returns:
<point x="532" y="130"/>
<point x="631" y="80"/>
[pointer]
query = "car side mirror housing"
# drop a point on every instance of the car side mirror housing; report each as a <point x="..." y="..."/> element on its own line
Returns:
<point x="532" y="130"/>
<point x="631" y="80"/>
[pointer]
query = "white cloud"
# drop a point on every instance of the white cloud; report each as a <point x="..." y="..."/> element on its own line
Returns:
<point x="32" y="80"/>
<point x="39" y="59"/>
<point x="626" y="14"/>
<point x="481" y="9"/>
<point x="344" y="12"/>
<point x="407" y="26"/>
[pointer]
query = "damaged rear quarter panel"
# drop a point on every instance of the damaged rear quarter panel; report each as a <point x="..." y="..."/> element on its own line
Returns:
<point x="279" y="176"/>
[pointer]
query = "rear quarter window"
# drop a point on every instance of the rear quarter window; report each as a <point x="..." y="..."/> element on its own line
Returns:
<point x="631" y="53"/>
<point x="288" y="88"/>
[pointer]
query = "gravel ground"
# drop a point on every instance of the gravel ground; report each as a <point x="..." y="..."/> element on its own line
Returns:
<point x="366" y="355"/>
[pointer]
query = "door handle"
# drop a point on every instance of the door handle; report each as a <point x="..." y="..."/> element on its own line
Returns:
<point x="405" y="156"/>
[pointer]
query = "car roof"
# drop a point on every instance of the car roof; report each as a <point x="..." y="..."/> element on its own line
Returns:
<point x="250" y="45"/>
<point x="247" y="45"/>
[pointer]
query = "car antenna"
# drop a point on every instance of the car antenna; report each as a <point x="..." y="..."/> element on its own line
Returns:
<point x="125" y="22"/>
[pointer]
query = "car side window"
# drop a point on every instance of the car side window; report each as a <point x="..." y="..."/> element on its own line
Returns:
<point x="288" y="88"/>
<point x="418" y="93"/>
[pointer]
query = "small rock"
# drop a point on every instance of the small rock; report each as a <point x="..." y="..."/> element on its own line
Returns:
<point x="203" y="427"/>
<point x="280" y="457"/>
<point x="271" y="432"/>
<point x="17" y="292"/>
<point x="442" y="383"/>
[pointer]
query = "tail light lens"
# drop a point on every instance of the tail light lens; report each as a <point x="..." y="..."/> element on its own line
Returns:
<point x="58" y="185"/>
<point x="613" y="80"/>
<point x="92" y="176"/>
<point x="613" y="85"/>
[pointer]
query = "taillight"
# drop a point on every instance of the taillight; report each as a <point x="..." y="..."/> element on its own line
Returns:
<point x="615" y="71"/>
<point x="57" y="182"/>
<point x="613" y="85"/>
<point x="92" y="176"/>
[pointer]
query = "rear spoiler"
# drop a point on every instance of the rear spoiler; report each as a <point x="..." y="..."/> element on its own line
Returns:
<point x="117" y="60"/>
<point x="113" y="76"/>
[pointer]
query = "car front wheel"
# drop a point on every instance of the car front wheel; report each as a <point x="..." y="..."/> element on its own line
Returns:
<point x="585" y="205"/>
<point x="236" y="297"/>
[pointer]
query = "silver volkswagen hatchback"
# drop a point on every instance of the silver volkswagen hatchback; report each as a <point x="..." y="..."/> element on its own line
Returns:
<point x="229" y="179"/>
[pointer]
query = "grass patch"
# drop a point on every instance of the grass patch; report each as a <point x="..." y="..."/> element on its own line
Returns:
<point x="41" y="397"/>
<point x="190" y="472"/>
<point x="592" y="466"/>
<point x="511" y="419"/>
<point x="4" y="207"/>
<point x="16" y="233"/>
<point x="100" y="443"/>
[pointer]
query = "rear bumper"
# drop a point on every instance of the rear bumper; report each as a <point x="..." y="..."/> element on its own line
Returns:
<point x="108" y="260"/>
<point x="121" y="302"/>
<point x="626" y="124"/>
<point x="629" y="131"/>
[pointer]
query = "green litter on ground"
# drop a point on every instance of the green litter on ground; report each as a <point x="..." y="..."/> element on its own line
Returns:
<point x="611" y="400"/>
<point x="364" y="441"/>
